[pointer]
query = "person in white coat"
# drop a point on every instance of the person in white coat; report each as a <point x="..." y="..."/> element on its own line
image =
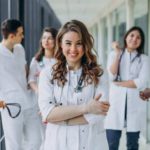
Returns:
<point x="13" y="89"/>
<point x="44" y="57"/>
<point x="128" y="70"/>
<point x="69" y="93"/>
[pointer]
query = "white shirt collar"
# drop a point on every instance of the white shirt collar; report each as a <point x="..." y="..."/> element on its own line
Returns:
<point x="133" y="53"/>
<point x="5" y="51"/>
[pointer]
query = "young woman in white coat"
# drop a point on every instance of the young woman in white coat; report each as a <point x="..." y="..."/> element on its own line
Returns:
<point x="128" y="70"/>
<point x="73" y="93"/>
<point x="44" y="57"/>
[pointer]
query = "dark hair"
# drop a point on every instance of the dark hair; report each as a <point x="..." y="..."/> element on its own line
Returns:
<point x="39" y="55"/>
<point x="9" y="26"/>
<point x="140" y="49"/>
<point x="91" y="70"/>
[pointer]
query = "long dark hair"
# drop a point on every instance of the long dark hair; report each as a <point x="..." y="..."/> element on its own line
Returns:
<point x="140" y="49"/>
<point x="91" y="70"/>
<point x="41" y="52"/>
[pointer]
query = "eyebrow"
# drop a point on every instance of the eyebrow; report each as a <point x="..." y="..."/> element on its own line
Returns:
<point x="47" y="36"/>
<point x="71" y="41"/>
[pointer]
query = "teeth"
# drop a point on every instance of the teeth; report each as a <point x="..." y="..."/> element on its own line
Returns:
<point x="73" y="54"/>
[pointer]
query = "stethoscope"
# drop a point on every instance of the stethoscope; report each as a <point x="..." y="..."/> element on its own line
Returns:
<point x="41" y="64"/>
<point x="118" y="77"/>
<point x="79" y="86"/>
<point x="7" y="105"/>
<point x="77" y="89"/>
<point x="14" y="105"/>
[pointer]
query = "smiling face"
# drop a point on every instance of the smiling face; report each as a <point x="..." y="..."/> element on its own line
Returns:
<point x="47" y="41"/>
<point x="133" y="40"/>
<point x="72" y="49"/>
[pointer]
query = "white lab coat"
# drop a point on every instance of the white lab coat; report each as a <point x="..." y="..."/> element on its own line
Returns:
<point x="138" y="71"/>
<point x="78" y="137"/>
<point x="13" y="89"/>
<point x="35" y="69"/>
<point x="13" y="84"/>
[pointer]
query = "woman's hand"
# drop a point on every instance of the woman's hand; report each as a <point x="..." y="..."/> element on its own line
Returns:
<point x="113" y="68"/>
<point x="145" y="95"/>
<point x="116" y="47"/>
<point x="98" y="107"/>
<point x="118" y="83"/>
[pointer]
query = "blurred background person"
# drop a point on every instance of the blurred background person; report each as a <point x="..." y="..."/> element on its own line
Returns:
<point x="44" y="57"/>
<point x="128" y="70"/>
<point x="13" y="89"/>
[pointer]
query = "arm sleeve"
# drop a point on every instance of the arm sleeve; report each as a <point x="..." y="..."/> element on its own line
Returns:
<point x="32" y="72"/>
<point x="144" y="74"/>
<point x="20" y="51"/>
<point x="109" y="63"/>
<point x="103" y="89"/>
<point x="2" y="96"/>
<point x="45" y="97"/>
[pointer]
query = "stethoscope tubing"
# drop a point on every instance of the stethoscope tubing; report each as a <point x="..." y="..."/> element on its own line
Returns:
<point x="16" y="105"/>
<point x="10" y="114"/>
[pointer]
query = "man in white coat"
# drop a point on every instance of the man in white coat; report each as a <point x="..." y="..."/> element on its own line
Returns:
<point x="13" y="89"/>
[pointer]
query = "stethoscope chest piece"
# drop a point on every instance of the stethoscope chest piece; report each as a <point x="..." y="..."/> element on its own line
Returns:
<point x="78" y="89"/>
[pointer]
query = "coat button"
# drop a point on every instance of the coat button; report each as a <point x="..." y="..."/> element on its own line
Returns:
<point x="50" y="102"/>
<point x="81" y="100"/>
<point x="83" y="147"/>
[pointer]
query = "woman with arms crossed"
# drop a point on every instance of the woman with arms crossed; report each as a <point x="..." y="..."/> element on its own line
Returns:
<point x="70" y="91"/>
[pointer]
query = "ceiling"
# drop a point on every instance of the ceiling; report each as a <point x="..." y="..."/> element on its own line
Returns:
<point x="83" y="10"/>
